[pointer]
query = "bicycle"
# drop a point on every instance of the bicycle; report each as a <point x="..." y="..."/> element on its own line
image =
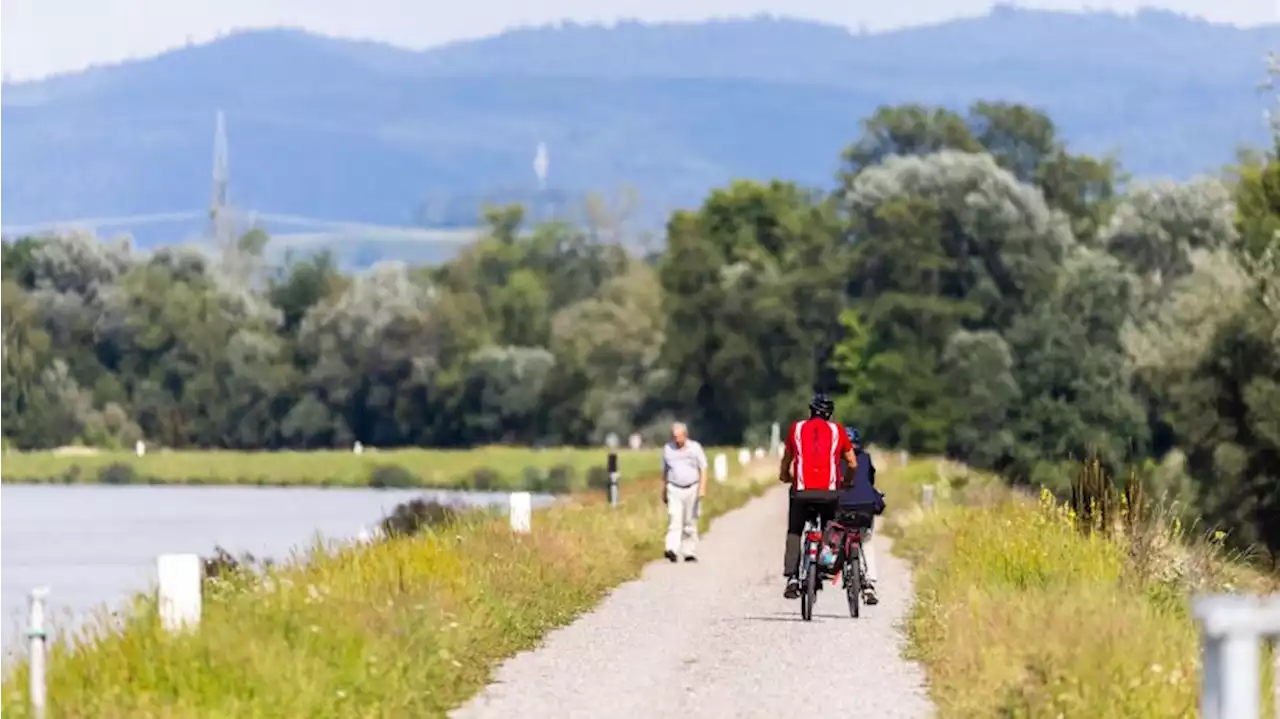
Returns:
<point x="854" y="568"/>
<point x="810" y="568"/>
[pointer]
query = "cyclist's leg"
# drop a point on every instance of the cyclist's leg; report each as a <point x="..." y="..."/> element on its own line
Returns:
<point x="791" y="558"/>
<point x="827" y="512"/>
<point x="869" y="557"/>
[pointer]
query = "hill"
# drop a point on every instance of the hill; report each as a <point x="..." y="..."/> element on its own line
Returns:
<point x="360" y="131"/>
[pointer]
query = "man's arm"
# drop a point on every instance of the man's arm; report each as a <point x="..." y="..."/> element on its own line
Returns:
<point x="851" y="458"/>
<point x="784" y="469"/>
<point x="666" y="470"/>
<point x="846" y="477"/>
<point x="846" y="451"/>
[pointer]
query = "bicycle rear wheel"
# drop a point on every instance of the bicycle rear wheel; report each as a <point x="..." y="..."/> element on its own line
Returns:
<point x="809" y="593"/>
<point x="853" y="582"/>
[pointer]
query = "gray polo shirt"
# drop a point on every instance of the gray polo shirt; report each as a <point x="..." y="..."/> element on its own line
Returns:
<point x="683" y="466"/>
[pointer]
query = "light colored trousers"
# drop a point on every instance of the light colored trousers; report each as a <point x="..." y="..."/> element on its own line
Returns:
<point x="682" y="520"/>
<point x="869" y="554"/>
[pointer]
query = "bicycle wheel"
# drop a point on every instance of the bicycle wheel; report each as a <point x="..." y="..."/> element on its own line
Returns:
<point x="809" y="593"/>
<point x="853" y="582"/>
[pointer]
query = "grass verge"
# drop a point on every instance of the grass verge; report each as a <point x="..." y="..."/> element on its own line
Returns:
<point x="486" y="468"/>
<point x="1020" y="614"/>
<point x="407" y="627"/>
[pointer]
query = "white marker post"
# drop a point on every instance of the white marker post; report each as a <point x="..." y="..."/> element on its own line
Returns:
<point x="179" y="592"/>
<point x="521" y="512"/>
<point x="926" y="496"/>
<point x="759" y="452"/>
<point x="38" y="636"/>
<point x="721" y="466"/>
<point x="1232" y="628"/>
<point x="903" y="457"/>
<point x="139" y="448"/>
<point x="744" y="456"/>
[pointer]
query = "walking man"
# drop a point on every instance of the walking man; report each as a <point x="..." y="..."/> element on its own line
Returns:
<point x="684" y="475"/>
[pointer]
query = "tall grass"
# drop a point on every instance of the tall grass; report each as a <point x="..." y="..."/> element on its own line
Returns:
<point x="1030" y="607"/>
<point x="407" y="627"/>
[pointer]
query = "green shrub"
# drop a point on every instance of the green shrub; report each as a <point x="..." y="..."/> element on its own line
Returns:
<point x="409" y="518"/>
<point x="118" y="473"/>
<point x="391" y="476"/>
<point x="486" y="479"/>
<point x="560" y="479"/>
<point x="533" y="479"/>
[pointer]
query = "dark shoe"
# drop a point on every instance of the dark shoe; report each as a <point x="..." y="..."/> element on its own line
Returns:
<point x="690" y="558"/>
<point x="793" y="588"/>
<point x="671" y="556"/>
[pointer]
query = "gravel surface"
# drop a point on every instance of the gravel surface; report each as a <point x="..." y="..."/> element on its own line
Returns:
<point x="717" y="639"/>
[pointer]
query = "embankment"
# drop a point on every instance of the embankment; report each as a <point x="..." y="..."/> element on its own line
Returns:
<point x="405" y="627"/>
<point x="1020" y="612"/>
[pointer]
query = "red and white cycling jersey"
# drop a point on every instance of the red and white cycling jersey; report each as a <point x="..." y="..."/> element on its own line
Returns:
<point x="817" y="445"/>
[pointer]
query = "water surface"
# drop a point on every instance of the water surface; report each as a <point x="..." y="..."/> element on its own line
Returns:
<point x="94" y="544"/>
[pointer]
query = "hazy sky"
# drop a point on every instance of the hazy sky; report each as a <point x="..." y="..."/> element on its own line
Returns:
<point x="48" y="36"/>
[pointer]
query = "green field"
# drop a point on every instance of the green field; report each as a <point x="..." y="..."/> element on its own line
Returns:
<point x="552" y="469"/>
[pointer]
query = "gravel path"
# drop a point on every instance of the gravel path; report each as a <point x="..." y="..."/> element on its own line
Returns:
<point x="717" y="639"/>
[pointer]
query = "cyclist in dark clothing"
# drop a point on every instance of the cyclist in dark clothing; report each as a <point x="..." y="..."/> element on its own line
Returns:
<point x="814" y="451"/>
<point x="859" y="490"/>
<point x="858" y="504"/>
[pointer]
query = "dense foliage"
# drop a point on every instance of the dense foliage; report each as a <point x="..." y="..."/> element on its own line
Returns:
<point x="970" y="286"/>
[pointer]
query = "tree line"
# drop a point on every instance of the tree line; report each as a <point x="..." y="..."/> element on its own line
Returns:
<point x="969" y="286"/>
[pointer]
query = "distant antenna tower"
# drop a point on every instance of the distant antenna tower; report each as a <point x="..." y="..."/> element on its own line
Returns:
<point x="219" y="212"/>
<point x="540" y="163"/>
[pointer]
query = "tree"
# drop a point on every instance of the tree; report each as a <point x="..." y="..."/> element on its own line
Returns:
<point x="983" y="429"/>
<point x="1077" y="397"/>
<point x="1158" y="226"/>
<point x="943" y="242"/>
<point x="752" y="285"/>
<point x="607" y="350"/>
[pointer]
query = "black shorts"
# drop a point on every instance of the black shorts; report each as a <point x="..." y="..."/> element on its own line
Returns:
<point x="804" y="506"/>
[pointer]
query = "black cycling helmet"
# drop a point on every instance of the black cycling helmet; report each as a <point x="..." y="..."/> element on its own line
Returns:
<point x="855" y="437"/>
<point x="821" y="406"/>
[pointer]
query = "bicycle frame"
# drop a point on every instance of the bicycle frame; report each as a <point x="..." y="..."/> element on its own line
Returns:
<point x="852" y="543"/>
<point x="812" y="540"/>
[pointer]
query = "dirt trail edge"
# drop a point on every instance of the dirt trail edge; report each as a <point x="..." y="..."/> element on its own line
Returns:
<point x="717" y="639"/>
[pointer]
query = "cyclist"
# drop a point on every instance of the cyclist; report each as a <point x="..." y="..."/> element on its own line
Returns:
<point x="810" y="463"/>
<point x="858" y="504"/>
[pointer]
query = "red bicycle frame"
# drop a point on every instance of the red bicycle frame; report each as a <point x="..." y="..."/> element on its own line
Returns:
<point x="814" y="541"/>
<point x="852" y="539"/>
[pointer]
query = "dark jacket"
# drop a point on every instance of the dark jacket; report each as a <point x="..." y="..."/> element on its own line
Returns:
<point x="860" y="485"/>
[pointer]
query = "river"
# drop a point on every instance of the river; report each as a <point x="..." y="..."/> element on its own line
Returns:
<point x="95" y="545"/>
